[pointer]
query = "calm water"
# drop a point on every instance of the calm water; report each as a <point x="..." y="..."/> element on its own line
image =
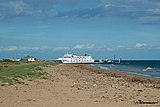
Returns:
<point x="149" y="68"/>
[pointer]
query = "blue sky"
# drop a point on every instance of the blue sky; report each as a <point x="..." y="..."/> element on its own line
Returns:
<point x="47" y="29"/>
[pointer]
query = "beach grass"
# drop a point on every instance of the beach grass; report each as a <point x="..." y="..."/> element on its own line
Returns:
<point x="13" y="72"/>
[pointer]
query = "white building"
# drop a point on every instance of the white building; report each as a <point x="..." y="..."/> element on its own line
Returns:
<point x="31" y="59"/>
<point x="17" y="60"/>
<point x="69" y="58"/>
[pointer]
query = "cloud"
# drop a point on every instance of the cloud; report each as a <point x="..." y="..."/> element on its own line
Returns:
<point x="10" y="9"/>
<point x="61" y="48"/>
<point x="154" y="10"/>
<point x="48" y="8"/>
<point x="78" y="47"/>
<point x="140" y="45"/>
<point x="16" y="6"/>
<point x="22" y="48"/>
<point x="84" y="46"/>
<point x="107" y="5"/>
<point x="150" y="16"/>
<point x="26" y="48"/>
<point x="143" y="11"/>
<point x="59" y="8"/>
<point x="109" y="49"/>
<point x="11" y="48"/>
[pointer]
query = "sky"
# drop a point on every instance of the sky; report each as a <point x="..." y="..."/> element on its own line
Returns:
<point x="47" y="29"/>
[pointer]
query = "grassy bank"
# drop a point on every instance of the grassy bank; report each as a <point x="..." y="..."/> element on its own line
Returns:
<point x="13" y="72"/>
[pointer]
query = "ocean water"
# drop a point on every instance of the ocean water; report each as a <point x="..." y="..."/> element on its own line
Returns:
<point x="148" y="68"/>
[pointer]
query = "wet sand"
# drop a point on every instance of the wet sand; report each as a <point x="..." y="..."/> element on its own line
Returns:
<point x="71" y="85"/>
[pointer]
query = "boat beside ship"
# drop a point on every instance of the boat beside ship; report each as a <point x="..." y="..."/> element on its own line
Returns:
<point x="70" y="58"/>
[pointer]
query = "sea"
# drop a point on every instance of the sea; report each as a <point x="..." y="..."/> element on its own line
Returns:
<point x="147" y="68"/>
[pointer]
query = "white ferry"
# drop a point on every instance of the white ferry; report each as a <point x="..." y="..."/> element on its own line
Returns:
<point x="70" y="58"/>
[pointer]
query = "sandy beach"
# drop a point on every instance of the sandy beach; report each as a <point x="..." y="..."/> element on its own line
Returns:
<point x="73" y="85"/>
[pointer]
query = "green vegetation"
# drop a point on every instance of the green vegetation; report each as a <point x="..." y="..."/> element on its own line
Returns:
<point x="14" y="72"/>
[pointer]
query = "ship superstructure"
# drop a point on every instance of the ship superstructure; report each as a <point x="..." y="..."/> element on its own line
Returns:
<point x="70" y="58"/>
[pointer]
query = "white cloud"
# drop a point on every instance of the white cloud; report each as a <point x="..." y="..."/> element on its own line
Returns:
<point x="109" y="49"/>
<point x="8" y="48"/>
<point x="26" y="48"/>
<point x="84" y="46"/>
<point x="11" y="48"/>
<point x="140" y="45"/>
<point x="61" y="48"/>
<point x="106" y="6"/>
<point x="78" y="47"/>
<point x="22" y="48"/>
<point x="154" y="11"/>
<point x="17" y="6"/>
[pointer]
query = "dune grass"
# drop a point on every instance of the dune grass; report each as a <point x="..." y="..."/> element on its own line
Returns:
<point x="12" y="72"/>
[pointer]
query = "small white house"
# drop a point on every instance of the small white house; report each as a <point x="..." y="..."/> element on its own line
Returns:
<point x="31" y="59"/>
<point x="17" y="60"/>
<point x="28" y="58"/>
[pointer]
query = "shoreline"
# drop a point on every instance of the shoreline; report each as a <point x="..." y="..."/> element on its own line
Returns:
<point x="80" y="85"/>
<point x="127" y="76"/>
<point x="127" y="72"/>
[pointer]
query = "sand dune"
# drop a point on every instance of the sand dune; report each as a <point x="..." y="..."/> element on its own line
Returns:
<point x="82" y="86"/>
